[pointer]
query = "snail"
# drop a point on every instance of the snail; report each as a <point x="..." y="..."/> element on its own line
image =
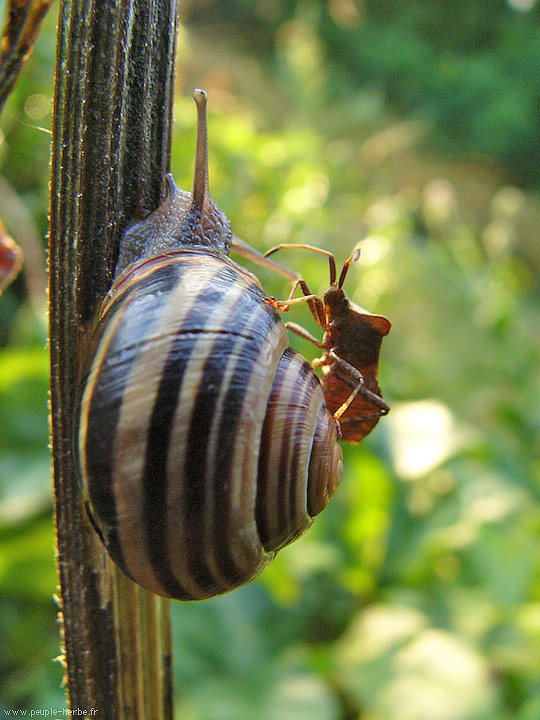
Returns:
<point x="203" y="440"/>
<point x="351" y="346"/>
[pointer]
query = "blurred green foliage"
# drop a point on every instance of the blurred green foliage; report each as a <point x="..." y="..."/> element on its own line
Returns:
<point x="409" y="129"/>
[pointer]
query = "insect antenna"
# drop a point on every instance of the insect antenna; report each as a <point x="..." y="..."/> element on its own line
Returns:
<point x="296" y="246"/>
<point x="354" y="257"/>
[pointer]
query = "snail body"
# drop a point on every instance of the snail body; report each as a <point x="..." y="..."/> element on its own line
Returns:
<point x="204" y="441"/>
<point x="351" y="347"/>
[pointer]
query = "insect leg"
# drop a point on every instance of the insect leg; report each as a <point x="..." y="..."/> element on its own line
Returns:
<point x="303" y="333"/>
<point x="354" y="379"/>
<point x="314" y="302"/>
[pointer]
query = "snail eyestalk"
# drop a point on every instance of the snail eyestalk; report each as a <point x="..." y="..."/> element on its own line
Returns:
<point x="200" y="175"/>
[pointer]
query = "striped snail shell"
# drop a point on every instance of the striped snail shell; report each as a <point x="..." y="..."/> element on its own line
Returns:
<point x="204" y="442"/>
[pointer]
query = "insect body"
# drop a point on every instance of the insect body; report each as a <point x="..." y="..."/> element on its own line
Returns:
<point x="204" y="441"/>
<point x="11" y="259"/>
<point x="351" y="346"/>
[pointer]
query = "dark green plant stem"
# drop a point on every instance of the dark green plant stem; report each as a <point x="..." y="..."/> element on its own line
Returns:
<point x="111" y="149"/>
